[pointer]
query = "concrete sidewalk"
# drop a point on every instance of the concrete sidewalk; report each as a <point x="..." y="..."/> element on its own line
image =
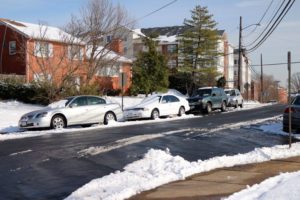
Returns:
<point x="220" y="182"/>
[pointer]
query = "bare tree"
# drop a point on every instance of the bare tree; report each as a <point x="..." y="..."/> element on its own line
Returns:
<point x="54" y="64"/>
<point x="295" y="82"/>
<point x="99" y="22"/>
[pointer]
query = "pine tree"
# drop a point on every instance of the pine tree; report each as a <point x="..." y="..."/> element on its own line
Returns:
<point x="198" y="48"/>
<point x="150" y="70"/>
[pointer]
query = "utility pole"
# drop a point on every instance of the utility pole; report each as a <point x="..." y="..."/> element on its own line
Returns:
<point x="289" y="100"/>
<point x="261" y="80"/>
<point x="240" y="55"/>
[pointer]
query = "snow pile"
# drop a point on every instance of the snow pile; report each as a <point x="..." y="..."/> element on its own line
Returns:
<point x="284" y="186"/>
<point x="164" y="38"/>
<point x="11" y="112"/>
<point x="159" y="167"/>
<point x="276" y="129"/>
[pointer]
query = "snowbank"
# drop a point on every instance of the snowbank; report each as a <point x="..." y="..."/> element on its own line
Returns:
<point x="160" y="167"/>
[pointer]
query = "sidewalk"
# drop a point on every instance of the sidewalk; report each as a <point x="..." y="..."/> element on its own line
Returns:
<point x="221" y="182"/>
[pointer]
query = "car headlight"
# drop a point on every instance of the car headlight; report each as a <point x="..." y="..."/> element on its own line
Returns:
<point x="43" y="114"/>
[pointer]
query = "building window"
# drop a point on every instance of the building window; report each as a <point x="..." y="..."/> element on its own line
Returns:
<point x="125" y="50"/>
<point x="172" y="63"/>
<point x="43" y="49"/>
<point x="235" y="62"/>
<point x="12" y="48"/>
<point x="108" y="39"/>
<point x="110" y="71"/>
<point x="75" y="52"/>
<point x="42" y="77"/>
<point x="172" y="49"/>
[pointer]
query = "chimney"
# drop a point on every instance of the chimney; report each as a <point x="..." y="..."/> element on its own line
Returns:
<point x="116" y="45"/>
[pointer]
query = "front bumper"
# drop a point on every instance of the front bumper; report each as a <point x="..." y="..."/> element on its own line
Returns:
<point x="196" y="106"/>
<point x="132" y="114"/>
<point x="35" y="123"/>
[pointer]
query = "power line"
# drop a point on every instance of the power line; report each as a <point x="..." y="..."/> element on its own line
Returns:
<point x="274" y="64"/>
<point x="274" y="26"/>
<point x="263" y="16"/>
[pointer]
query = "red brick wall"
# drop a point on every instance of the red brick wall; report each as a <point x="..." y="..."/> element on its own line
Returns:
<point x="283" y="95"/>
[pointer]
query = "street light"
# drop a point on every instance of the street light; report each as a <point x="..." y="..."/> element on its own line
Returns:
<point x="240" y="51"/>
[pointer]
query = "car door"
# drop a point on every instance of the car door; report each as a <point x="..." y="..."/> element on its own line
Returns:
<point x="215" y="98"/>
<point x="77" y="111"/>
<point x="174" y="104"/>
<point x="164" y="105"/>
<point x="97" y="108"/>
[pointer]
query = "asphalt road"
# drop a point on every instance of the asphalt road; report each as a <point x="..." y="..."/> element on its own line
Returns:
<point x="53" y="166"/>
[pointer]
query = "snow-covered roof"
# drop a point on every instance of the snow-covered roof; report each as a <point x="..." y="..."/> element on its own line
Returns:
<point x="42" y="32"/>
<point x="110" y="55"/>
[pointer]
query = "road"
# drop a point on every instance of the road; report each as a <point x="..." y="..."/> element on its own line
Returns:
<point x="53" y="166"/>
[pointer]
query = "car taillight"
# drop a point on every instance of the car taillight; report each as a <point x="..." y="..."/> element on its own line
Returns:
<point x="287" y="110"/>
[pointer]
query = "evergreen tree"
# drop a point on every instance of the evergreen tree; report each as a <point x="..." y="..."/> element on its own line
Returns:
<point x="221" y="82"/>
<point x="150" y="70"/>
<point x="198" y="49"/>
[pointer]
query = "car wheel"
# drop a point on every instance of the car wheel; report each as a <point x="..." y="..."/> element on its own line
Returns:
<point x="109" y="116"/>
<point x="208" y="108"/>
<point x="236" y="104"/>
<point x="286" y="129"/>
<point x="223" y="107"/>
<point x="155" y="114"/>
<point x="241" y="104"/>
<point x="181" y="111"/>
<point x="58" y="122"/>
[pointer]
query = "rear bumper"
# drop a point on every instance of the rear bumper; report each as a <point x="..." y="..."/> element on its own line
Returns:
<point x="295" y="122"/>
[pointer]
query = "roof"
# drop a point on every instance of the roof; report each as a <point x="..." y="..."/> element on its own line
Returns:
<point x="41" y="32"/>
<point x="109" y="55"/>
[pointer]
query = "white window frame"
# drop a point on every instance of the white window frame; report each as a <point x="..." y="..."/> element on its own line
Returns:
<point x="76" y="55"/>
<point x="110" y="71"/>
<point x="12" y="49"/>
<point x="44" y="53"/>
<point x="41" y="77"/>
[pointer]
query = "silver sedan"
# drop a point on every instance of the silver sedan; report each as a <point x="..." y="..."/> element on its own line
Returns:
<point x="77" y="110"/>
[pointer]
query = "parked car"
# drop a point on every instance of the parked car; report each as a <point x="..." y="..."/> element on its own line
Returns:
<point x="156" y="106"/>
<point x="295" y="113"/>
<point x="77" y="110"/>
<point x="208" y="99"/>
<point x="235" y="98"/>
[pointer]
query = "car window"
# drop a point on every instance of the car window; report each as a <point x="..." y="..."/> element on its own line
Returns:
<point x="202" y="93"/>
<point x="68" y="100"/>
<point x="95" y="101"/>
<point x="296" y="101"/>
<point x="233" y="93"/>
<point x="165" y="99"/>
<point x="80" y="101"/>
<point x="173" y="99"/>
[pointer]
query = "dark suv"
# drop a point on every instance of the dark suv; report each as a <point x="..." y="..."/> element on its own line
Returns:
<point x="208" y="99"/>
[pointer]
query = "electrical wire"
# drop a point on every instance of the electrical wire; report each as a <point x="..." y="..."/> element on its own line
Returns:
<point x="274" y="26"/>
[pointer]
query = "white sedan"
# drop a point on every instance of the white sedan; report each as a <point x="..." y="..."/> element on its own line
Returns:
<point x="158" y="105"/>
<point x="77" y="110"/>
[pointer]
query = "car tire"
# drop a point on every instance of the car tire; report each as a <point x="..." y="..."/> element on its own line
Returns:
<point x="236" y="104"/>
<point x="286" y="129"/>
<point x="58" y="122"/>
<point x="181" y="111"/>
<point x="155" y="114"/>
<point x="208" y="108"/>
<point x="223" y="106"/>
<point x="109" y="116"/>
<point x="241" y="105"/>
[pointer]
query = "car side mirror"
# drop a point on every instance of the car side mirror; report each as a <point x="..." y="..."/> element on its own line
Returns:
<point x="73" y="105"/>
<point x="213" y="94"/>
<point x="164" y="101"/>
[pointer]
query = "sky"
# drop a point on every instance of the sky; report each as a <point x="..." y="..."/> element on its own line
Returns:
<point x="226" y="13"/>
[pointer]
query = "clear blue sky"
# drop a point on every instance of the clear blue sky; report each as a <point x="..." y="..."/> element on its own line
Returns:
<point x="226" y="13"/>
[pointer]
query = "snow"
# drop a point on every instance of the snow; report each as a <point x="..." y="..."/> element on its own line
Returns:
<point x="58" y="104"/>
<point x="284" y="186"/>
<point x="276" y="129"/>
<point x="44" y="32"/>
<point x="159" y="167"/>
<point x="165" y="38"/>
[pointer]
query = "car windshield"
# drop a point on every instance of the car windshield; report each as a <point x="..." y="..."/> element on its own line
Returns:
<point x="61" y="103"/>
<point x="202" y="93"/>
<point x="296" y="101"/>
<point x="230" y="92"/>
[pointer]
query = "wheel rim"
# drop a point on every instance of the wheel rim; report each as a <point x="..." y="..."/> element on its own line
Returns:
<point x="110" y="117"/>
<point x="181" y="111"/>
<point x="155" y="114"/>
<point x="58" y="123"/>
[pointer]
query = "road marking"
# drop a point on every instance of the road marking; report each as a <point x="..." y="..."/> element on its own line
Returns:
<point x="21" y="152"/>
<point x="125" y="142"/>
